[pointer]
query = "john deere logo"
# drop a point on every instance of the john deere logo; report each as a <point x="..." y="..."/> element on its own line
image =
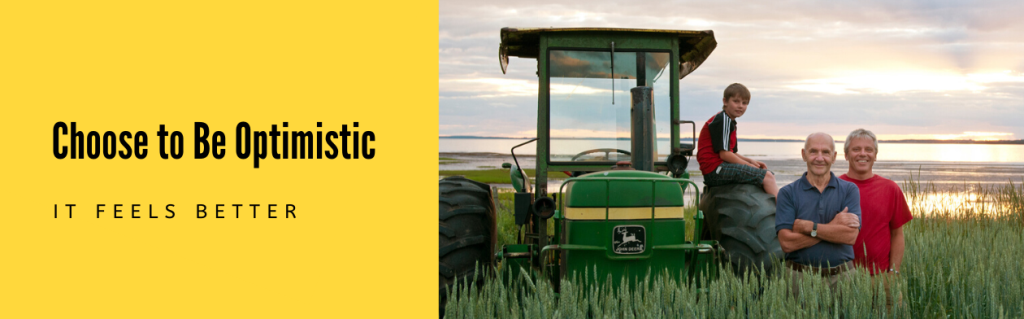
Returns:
<point x="629" y="239"/>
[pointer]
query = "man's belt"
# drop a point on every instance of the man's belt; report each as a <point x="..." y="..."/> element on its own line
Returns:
<point x="820" y="270"/>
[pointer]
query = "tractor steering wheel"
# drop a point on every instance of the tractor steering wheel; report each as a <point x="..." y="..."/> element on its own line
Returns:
<point x="599" y="150"/>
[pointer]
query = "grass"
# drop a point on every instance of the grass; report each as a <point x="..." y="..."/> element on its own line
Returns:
<point x="507" y="229"/>
<point x="494" y="176"/>
<point x="448" y="160"/>
<point x="961" y="261"/>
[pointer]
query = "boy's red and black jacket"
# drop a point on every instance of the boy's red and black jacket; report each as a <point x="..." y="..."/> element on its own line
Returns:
<point x="717" y="132"/>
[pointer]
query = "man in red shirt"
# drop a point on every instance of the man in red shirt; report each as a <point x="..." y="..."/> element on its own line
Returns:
<point x="879" y="246"/>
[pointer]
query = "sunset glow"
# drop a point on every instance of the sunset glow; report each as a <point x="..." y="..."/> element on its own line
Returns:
<point x="893" y="82"/>
<point x="497" y="88"/>
<point x="904" y="70"/>
<point x="976" y="136"/>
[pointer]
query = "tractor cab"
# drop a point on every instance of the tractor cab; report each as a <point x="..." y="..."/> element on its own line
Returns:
<point x="588" y="81"/>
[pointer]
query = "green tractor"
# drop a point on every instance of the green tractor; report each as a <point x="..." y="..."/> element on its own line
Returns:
<point x="623" y="212"/>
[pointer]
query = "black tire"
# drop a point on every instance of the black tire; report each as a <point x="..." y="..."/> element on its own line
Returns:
<point x="467" y="232"/>
<point x="742" y="218"/>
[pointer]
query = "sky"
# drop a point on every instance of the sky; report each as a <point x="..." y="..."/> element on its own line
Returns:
<point x="902" y="69"/>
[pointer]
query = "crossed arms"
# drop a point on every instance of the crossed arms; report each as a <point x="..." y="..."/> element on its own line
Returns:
<point x="842" y="229"/>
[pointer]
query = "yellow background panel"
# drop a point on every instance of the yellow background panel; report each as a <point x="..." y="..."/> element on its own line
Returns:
<point x="357" y="246"/>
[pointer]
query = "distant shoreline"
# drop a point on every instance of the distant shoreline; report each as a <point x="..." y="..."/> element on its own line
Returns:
<point x="999" y="142"/>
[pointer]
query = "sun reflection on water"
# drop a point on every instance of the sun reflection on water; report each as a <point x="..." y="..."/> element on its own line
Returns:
<point x="949" y="202"/>
<point x="993" y="200"/>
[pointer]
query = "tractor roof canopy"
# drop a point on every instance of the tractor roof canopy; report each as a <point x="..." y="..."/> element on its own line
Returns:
<point x="694" y="46"/>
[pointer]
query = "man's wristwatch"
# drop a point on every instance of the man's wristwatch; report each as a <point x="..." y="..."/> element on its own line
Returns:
<point x="814" y="230"/>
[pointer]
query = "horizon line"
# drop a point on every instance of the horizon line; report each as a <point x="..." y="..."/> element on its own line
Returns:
<point x="923" y="141"/>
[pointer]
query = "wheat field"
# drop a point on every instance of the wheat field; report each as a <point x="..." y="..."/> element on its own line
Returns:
<point x="963" y="260"/>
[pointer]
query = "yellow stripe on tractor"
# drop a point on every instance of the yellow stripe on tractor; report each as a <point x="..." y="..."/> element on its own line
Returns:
<point x="623" y="213"/>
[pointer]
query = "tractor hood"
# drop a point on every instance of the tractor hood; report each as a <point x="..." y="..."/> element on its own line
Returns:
<point x="630" y="188"/>
<point x="694" y="46"/>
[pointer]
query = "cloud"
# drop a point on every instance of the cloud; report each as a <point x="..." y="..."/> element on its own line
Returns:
<point x="909" y="67"/>
<point x="890" y="82"/>
<point x="500" y="88"/>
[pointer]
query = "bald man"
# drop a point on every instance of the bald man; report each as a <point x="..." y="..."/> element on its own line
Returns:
<point x="817" y="217"/>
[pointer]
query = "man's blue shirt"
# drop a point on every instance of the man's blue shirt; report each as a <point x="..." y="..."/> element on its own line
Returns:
<point x="801" y="200"/>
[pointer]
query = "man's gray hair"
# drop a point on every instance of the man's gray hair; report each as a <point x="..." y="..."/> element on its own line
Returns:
<point x="860" y="133"/>
<point x="831" y="142"/>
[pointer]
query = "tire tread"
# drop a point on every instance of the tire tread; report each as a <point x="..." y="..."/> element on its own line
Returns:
<point x="742" y="218"/>
<point x="466" y="216"/>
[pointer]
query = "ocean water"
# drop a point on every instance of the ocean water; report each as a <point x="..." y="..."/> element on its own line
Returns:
<point x="947" y="166"/>
<point x="903" y="152"/>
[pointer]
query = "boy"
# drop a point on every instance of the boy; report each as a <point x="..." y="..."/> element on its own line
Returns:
<point x="716" y="147"/>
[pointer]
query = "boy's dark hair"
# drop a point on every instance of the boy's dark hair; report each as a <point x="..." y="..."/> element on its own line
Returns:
<point x="736" y="90"/>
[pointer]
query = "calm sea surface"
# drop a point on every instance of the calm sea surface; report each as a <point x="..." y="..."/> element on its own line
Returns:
<point x="952" y="174"/>
<point x="959" y="168"/>
<point x="965" y="153"/>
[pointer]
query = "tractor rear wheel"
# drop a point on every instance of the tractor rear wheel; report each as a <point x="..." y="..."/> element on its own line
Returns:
<point x="467" y="232"/>
<point x="742" y="218"/>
